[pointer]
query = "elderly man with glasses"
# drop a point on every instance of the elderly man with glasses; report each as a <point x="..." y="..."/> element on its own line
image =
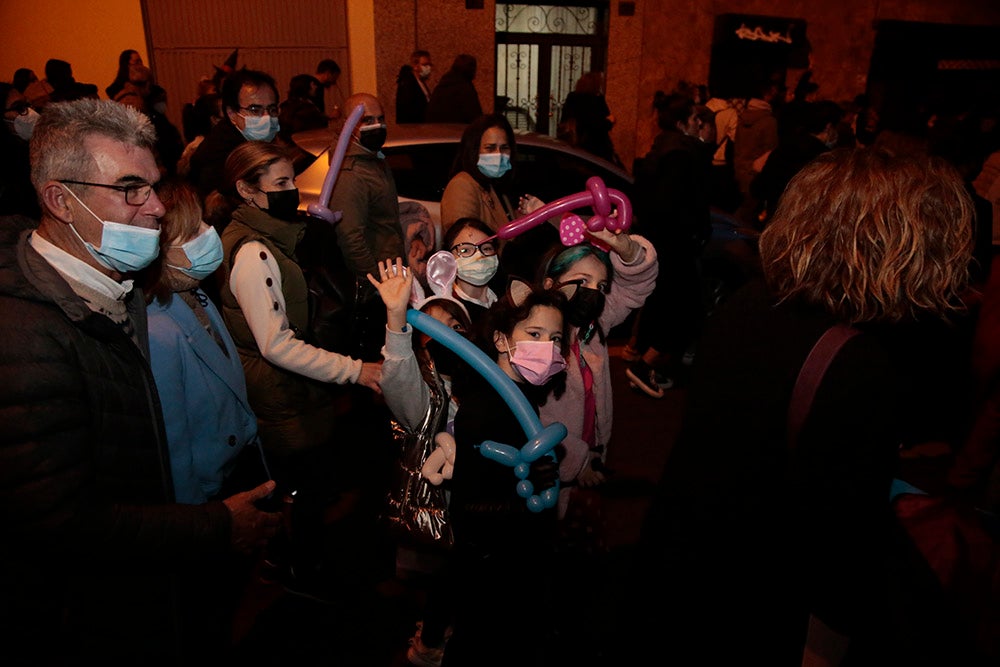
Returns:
<point x="100" y="560"/>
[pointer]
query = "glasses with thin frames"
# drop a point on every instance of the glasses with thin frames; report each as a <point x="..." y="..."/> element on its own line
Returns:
<point x="258" y="110"/>
<point x="487" y="248"/>
<point x="136" y="194"/>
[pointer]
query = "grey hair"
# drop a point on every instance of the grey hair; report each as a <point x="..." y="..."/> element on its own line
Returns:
<point x="58" y="148"/>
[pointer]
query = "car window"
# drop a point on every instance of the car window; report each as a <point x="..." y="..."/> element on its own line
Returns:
<point x="552" y="174"/>
<point x="421" y="172"/>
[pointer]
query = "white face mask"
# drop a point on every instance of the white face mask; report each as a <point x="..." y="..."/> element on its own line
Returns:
<point x="123" y="247"/>
<point x="425" y="71"/>
<point x="24" y="126"/>
<point x="477" y="270"/>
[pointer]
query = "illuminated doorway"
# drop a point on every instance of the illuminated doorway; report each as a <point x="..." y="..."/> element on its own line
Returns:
<point x="541" y="51"/>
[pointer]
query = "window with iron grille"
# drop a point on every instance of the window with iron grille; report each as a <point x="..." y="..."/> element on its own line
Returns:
<point x="542" y="50"/>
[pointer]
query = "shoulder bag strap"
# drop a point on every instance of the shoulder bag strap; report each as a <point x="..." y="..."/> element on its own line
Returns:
<point x="811" y="374"/>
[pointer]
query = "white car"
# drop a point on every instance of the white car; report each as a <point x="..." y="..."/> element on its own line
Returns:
<point x="421" y="158"/>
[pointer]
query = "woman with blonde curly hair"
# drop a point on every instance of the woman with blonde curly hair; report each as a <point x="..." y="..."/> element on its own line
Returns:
<point x="747" y="531"/>
<point x="871" y="237"/>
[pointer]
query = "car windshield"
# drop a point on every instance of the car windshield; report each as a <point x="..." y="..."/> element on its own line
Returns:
<point x="549" y="174"/>
<point x="421" y="172"/>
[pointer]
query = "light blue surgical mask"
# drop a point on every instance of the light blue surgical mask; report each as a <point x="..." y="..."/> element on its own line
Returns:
<point x="494" y="165"/>
<point x="123" y="248"/>
<point x="204" y="252"/>
<point x="260" y="128"/>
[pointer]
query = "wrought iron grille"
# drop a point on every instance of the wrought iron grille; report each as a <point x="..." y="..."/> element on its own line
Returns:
<point x="546" y="19"/>
<point x="541" y="52"/>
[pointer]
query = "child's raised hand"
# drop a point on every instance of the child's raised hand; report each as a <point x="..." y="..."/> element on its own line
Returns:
<point x="393" y="285"/>
<point x="619" y="242"/>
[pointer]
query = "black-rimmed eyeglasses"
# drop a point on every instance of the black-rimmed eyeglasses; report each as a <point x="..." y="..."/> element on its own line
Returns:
<point x="258" y="110"/>
<point x="136" y="194"/>
<point x="488" y="248"/>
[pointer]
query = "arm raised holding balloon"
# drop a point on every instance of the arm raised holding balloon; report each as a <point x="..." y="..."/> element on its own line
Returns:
<point x="620" y="243"/>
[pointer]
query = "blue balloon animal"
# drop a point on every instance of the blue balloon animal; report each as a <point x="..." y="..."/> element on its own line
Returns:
<point x="541" y="439"/>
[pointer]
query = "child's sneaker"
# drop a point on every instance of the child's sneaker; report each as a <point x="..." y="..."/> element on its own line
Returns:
<point x="642" y="376"/>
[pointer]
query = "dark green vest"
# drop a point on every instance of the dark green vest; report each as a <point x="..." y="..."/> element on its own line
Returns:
<point x="281" y="238"/>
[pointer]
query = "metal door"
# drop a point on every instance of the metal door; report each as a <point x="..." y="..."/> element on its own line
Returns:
<point x="541" y="52"/>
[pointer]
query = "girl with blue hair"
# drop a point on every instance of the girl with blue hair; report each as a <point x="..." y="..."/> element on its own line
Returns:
<point x="612" y="283"/>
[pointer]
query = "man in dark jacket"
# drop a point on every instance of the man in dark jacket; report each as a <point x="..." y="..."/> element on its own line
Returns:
<point x="249" y="112"/>
<point x="816" y="133"/>
<point x="455" y="99"/>
<point x="412" y="93"/>
<point x="369" y="231"/>
<point x="97" y="552"/>
<point x="673" y="212"/>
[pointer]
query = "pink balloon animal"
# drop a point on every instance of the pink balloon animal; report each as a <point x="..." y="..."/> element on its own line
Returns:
<point x="572" y="228"/>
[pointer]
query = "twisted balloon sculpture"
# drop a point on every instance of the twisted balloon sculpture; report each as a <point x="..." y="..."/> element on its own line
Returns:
<point x="572" y="228"/>
<point x="320" y="208"/>
<point x="541" y="440"/>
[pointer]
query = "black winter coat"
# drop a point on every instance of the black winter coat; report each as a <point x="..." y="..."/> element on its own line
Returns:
<point x="453" y="100"/>
<point x="411" y="103"/>
<point x="209" y="159"/>
<point x="94" y="548"/>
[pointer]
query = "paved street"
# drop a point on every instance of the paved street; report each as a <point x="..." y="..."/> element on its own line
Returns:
<point x="373" y="630"/>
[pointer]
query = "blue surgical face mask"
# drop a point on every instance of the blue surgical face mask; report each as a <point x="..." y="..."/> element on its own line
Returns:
<point x="260" y="128"/>
<point x="204" y="252"/>
<point x="494" y="165"/>
<point x="124" y="248"/>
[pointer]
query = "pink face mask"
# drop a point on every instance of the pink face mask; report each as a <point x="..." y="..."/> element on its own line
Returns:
<point x="536" y="360"/>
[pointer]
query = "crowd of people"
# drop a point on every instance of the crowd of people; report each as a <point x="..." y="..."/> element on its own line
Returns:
<point x="185" y="420"/>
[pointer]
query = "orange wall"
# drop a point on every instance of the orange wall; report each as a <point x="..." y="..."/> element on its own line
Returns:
<point x="666" y="40"/>
<point x="88" y="34"/>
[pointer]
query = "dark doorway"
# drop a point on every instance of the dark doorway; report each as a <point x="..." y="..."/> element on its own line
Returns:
<point x="922" y="68"/>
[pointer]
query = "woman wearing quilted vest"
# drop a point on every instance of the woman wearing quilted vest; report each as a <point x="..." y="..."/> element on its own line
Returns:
<point x="265" y="305"/>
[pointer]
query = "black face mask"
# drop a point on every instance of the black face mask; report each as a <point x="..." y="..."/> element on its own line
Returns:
<point x="446" y="361"/>
<point x="585" y="306"/>
<point x="283" y="204"/>
<point x="372" y="139"/>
